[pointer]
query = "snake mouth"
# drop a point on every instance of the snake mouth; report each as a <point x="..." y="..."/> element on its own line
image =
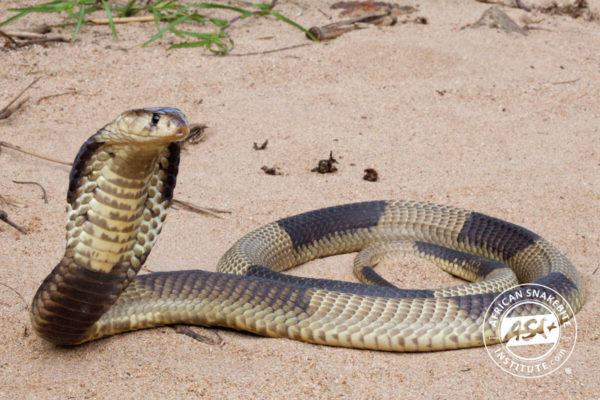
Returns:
<point x="183" y="130"/>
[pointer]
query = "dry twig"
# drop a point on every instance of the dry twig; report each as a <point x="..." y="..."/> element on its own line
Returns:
<point x="13" y="43"/>
<point x="4" y="217"/>
<point x="566" y="82"/>
<point x="30" y="38"/>
<point x="17" y="148"/>
<point x="70" y="91"/>
<point x="7" y="111"/>
<point x="331" y="31"/>
<point x="17" y="293"/>
<point x="44" y="195"/>
<point x="197" y="209"/>
<point x="122" y="20"/>
<point x="256" y="53"/>
<point x="22" y="35"/>
<point x="35" y="33"/>
<point x="186" y="330"/>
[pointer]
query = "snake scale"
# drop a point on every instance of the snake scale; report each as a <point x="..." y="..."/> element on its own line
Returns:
<point x="121" y="185"/>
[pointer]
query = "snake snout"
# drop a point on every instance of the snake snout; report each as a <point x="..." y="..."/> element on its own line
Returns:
<point x="167" y="122"/>
<point x="149" y="126"/>
<point x="182" y="129"/>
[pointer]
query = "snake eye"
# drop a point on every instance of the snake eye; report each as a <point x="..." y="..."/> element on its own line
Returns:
<point x="155" y="119"/>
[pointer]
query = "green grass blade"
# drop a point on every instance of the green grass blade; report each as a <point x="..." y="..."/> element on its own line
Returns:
<point x="161" y="33"/>
<point x="79" y="22"/>
<point x="245" y="13"/>
<point x="164" y="5"/>
<point x="201" y="43"/>
<point x="218" y="21"/>
<point x="128" y="9"/>
<point x="211" y="41"/>
<point x="52" y="6"/>
<point x="294" y="24"/>
<point x="110" y="19"/>
<point x="194" y="34"/>
<point x="14" y="17"/>
<point x="201" y="19"/>
<point x="157" y="18"/>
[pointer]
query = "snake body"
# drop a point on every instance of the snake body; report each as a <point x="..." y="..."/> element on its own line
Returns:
<point x="121" y="185"/>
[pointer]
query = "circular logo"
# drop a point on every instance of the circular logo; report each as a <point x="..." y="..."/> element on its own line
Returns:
<point x="536" y="328"/>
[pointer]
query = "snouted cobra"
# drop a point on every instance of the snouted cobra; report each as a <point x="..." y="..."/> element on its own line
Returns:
<point x="122" y="183"/>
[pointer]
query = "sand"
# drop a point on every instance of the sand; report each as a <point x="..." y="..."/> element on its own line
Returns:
<point x="500" y="123"/>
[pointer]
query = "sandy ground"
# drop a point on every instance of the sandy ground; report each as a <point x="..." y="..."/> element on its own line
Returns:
<point x="499" y="123"/>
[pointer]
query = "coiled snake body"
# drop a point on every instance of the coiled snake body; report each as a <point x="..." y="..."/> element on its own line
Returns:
<point x="121" y="185"/>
